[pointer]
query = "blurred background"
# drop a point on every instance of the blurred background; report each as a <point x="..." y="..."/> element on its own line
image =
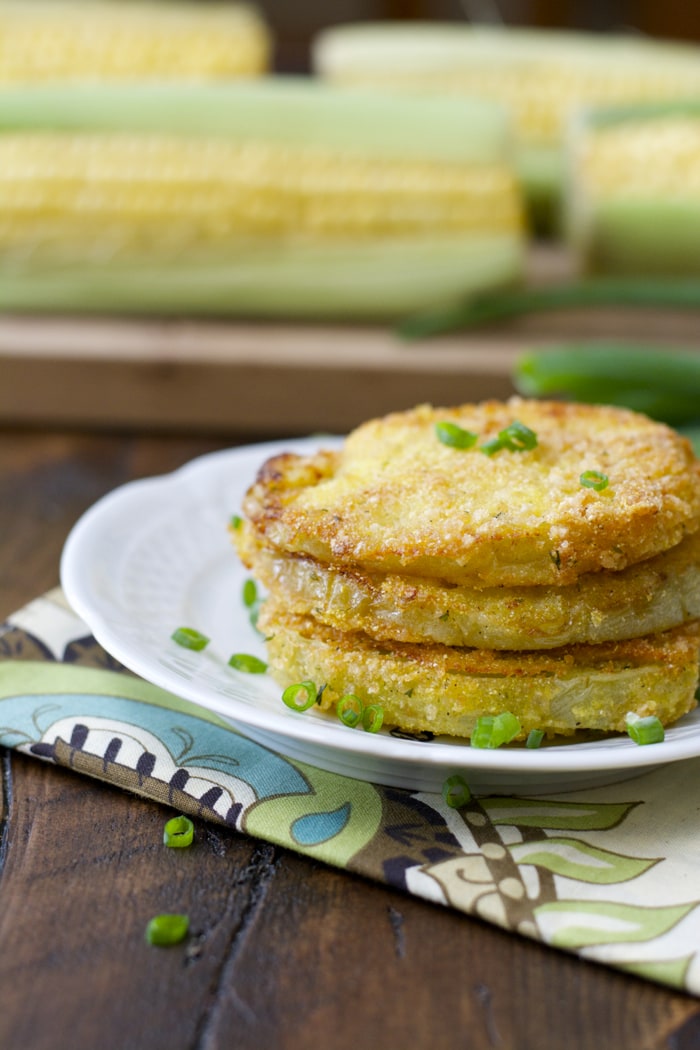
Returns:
<point x="215" y="243"/>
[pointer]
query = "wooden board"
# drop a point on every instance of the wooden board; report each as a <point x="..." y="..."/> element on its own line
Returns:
<point x="227" y="377"/>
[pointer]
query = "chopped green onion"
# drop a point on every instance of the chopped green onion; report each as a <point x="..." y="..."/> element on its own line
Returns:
<point x="372" y="718"/>
<point x="492" y="446"/>
<point x="455" y="791"/>
<point x="252" y="601"/>
<point x="250" y="593"/>
<point x="300" y="696"/>
<point x="236" y="521"/>
<point x="349" y="710"/>
<point x="188" y="638"/>
<point x="593" y="479"/>
<point x="455" y="436"/>
<point x="534" y="738"/>
<point x="167" y="929"/>
<point x="246" y="662"/>
<point x="518" y="438"/>
<point x="507" y="726"/>
<point x="483" y="732"/>
<point x="647" y="730"/>
<point x="178" y="832"/>
<point x="494" y="730"/>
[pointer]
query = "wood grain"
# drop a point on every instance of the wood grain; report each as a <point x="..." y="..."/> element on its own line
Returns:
<point x="223" y="378"/>
<point x="284" y="952"/>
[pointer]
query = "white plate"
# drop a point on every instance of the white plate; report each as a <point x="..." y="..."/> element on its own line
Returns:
<point x="155" y="555"/>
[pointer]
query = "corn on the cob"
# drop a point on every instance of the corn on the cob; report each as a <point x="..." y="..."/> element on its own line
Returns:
<point x="542" y="76"/>
<point x="633" y="200"/>
<point x="274" y="197"/>
<point x="77" y="40"/>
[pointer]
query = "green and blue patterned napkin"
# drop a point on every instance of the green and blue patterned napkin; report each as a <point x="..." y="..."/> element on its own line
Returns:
<point x="611" y="873"/>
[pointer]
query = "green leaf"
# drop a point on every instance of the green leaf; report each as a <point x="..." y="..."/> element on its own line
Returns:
<point x="578" y="860"/>
<point x="582" y="924"/>
<point x="565" y="816"/>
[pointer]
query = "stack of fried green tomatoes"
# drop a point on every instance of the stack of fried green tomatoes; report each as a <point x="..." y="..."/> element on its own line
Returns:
<point x="538" y="558"/>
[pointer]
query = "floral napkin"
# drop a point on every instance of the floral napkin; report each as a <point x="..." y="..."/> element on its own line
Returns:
<point x="611" y="873"/>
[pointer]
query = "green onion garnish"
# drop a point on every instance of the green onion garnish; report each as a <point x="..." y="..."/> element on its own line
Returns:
<point x="236" y="521"/>
<point x="250" y="593"/>
<point x="647" y="730"/>
<point x="246" y="662"/>
<point x="252" y="601"/>
<point x="508" y="726"/>
<point x="300" y="696"/>
<point x="178" y="832"/>
<point x="483" y="732"/>
<point x="492" y="446"/>
<point x="167" y="929"/>
<point x="534" y="738"/>
<point x="455" y="436"/>
<point x="188" y="638"/>
<point x="516" y="438"/>
<point x="593" y="479"/>
<point x="372" y="718"/>
<point x="349" y="710"/>
<point x="495" y="730"/>
<point x="455" y="791"/>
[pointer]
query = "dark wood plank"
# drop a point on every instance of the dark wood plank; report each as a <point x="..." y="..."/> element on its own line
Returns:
<point x="48" y="479"/>
<point x="284" y="952"/>
<point x="347" y="963"/>
<point x="85" y="869"/>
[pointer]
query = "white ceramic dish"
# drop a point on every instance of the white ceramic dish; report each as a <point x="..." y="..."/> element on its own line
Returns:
<point x="155" y="555"/>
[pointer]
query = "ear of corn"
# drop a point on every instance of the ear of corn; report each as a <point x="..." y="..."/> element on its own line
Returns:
<point x="633" y="202"/>
<point x="78" y="40"/>
<point x="286" y="110"/>
<point x="274" y="197"/>
<point x="541" y="76"/>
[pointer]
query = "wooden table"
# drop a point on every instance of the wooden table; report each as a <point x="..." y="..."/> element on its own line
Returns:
<point x="287" y="953"/>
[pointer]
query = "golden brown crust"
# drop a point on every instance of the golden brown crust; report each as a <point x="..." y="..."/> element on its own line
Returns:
<point x="444" y="690"/>
<point x="397" y="500"/>
<point x="653" y="595"/>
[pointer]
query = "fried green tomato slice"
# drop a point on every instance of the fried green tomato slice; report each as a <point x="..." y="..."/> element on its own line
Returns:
<point x="443" y="690"/>
<point x="653" y="595"/>
<point x="396" y="498"/>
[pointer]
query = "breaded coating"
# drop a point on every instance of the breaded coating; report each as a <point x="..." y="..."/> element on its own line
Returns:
<point x="443" y="690"/>
<point x="396" y="499"/>
<point x="653" y="595"/>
